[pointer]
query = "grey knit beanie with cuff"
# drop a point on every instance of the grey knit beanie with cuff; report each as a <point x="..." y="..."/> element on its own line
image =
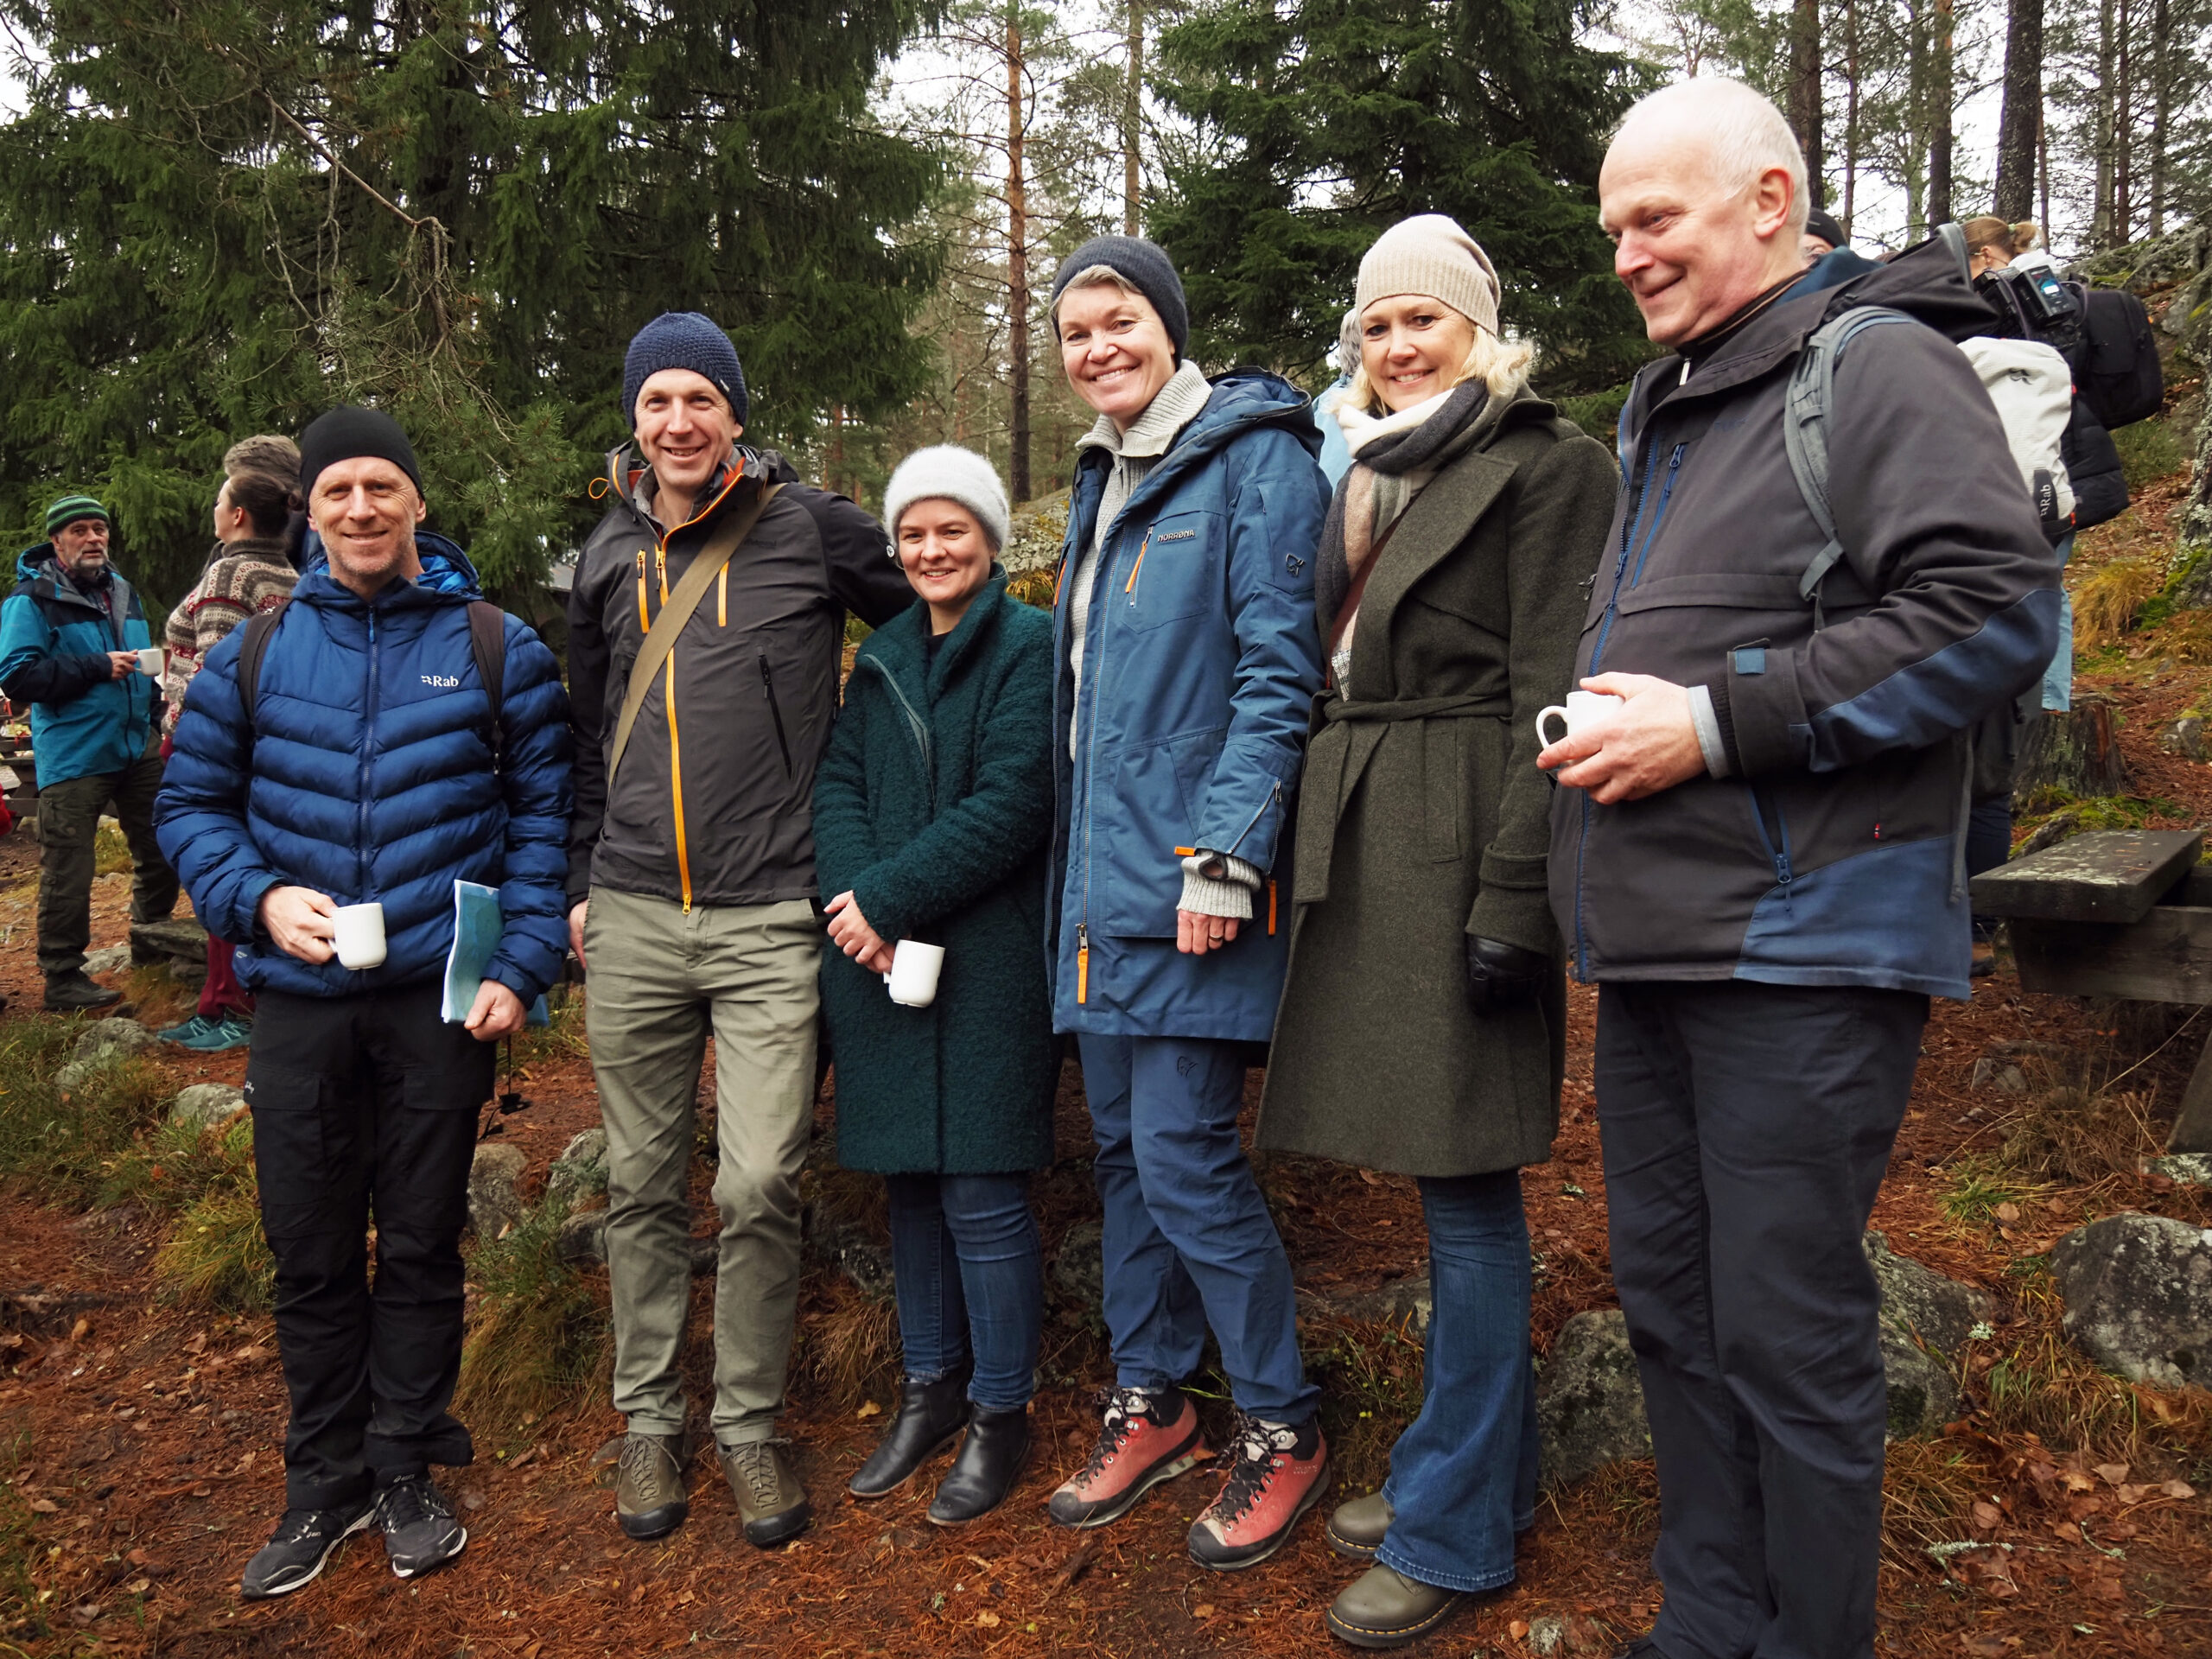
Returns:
<point x="1430" y="254"/>
<point x="1145" y="266"/>
<point x="948" y="473"/>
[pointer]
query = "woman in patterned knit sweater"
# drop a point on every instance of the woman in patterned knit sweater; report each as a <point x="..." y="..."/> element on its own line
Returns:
<point x="248" y="571"/>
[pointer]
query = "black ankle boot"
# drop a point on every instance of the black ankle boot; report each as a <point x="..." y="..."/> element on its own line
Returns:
<point x="930" y="1416"/>
<point x="988" y="1464"/>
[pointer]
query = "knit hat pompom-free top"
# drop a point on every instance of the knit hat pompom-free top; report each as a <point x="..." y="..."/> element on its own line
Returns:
<point x="1430" y="254"/>
<point x="683" y="340"/>
<point x="1144" y="266"/>
<point x="347" y="433"/>
<point x="69" y="509"/>
<point x="945" y="472"/>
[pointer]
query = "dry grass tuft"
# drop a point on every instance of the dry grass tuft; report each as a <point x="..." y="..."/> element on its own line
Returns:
<point x="537" y="1332"/>
<point x="2069" y="1133"/>
<point x="1033" y="587"/>
<point x="2107" y="599"/>
<point x="1927" y="1486"/>
<point x="847" y="1344"/>
<point x="216" y="1256"/>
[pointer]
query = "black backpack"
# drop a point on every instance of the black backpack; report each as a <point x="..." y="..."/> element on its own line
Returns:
<point x="487" y="643"/>
<point x="2117" y="372"/>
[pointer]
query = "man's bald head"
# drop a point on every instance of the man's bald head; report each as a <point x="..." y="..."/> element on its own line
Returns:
<point x="1704" y="193"/>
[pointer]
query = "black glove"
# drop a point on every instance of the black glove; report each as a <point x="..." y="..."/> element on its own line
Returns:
<point x="1501" y="976"/>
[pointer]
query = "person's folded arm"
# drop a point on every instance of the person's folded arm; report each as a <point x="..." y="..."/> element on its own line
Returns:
<point x="535" y="780"/>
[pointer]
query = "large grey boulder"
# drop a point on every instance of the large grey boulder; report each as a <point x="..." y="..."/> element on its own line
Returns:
<point x="205" y="1103"/>
<point x="583" y="1237"/>
<point x="2138" y="1290"/>
<point x="493" y="1203"/>
<point x="581" y="1170"/>
<point x="1589" y="1400"/>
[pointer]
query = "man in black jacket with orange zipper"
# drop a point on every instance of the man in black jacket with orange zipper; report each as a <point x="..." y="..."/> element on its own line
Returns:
<point x="692" y="894"/>
<point x="1758" y="855"/>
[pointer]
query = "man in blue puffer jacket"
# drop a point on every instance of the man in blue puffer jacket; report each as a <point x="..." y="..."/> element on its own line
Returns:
<point x="363" y="770"/>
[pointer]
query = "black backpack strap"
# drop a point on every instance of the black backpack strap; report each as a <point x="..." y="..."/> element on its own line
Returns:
<point x="1810" y="403"/>
<point x="487" y="643"/>
<point x="251" y="650"/>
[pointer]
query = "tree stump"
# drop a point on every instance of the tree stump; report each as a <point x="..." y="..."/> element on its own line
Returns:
<point x="2075" y="753"/>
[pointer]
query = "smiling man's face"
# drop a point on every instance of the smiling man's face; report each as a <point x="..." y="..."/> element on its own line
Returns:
<point x="1691" y="252"/>
<point x="685" y="429"/>
<point x="365" y="510"/>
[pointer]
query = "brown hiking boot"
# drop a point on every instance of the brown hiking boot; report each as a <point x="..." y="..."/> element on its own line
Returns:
<point x="770" y="1500"/>
<point x="650" y="1500"/>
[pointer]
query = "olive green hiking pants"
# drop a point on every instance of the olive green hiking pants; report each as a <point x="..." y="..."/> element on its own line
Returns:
<point x="68" y="819"/>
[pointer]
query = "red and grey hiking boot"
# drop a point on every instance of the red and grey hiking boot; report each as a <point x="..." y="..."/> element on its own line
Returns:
<point x="1146" y="1439"/>
<point x="1276" y="1474"/>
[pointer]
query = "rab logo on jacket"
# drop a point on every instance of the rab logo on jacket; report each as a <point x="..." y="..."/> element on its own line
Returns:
<point x="442" y="679"/>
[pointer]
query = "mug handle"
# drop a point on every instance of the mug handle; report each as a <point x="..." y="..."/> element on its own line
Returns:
<point x="1545" y="713"/>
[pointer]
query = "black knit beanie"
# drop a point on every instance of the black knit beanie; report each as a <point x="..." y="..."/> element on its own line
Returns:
<point x="346" y="434"/>
<point x="1822" y="226"/>
<point x="683" y="340"/>
<point x="1145" y="266"/>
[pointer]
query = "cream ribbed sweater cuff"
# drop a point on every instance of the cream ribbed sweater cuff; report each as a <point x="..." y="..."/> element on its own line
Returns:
<point x="1227" y="894"/>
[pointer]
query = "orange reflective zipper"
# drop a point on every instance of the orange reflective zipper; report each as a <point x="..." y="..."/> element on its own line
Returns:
<point x="1130" y="587"/>
<point x="645" y="621"/>
<point x="676" y="781"/>
<point x="1271" y="906"/>
<point x="1081" y="963"/>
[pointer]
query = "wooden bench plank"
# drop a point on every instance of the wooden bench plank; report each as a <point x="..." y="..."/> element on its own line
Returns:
<point x="2107" y="876"/>
<point x="2165" y="957"/>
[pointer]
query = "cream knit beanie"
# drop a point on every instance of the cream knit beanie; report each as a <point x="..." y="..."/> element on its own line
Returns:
<point x="1430" y="254"/>
<point x="946" y="472"/>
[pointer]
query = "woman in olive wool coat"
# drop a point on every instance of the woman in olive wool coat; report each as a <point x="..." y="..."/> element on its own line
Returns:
<point x="930" y="813"/>
<point x="1422" y="1023"/>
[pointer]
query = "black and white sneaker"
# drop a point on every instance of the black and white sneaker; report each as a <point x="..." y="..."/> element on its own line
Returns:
<point x="297" y="1551"/>
<point x="420" y="1533"/>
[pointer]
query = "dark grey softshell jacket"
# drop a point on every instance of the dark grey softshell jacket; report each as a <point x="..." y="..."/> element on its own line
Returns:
<point x="1830" y="854"/>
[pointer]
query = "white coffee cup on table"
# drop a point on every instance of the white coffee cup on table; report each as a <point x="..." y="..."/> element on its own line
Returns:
<point x="151" y="661"/>
<point x="914" y="969"/>
<point x="360" y="935"/>
<point x="1582" y="710"/>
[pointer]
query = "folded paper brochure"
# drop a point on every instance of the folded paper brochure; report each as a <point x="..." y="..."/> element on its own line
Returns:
<point x="476" y="925"/>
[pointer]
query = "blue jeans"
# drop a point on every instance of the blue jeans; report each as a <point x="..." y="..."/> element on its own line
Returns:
<point x="1463" y="1477"/>
<point x="1188" y="1240"/>
<point x="968" y="1275"/>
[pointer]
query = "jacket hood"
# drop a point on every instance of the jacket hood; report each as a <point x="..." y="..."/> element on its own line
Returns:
<point x="1244" y="400"/>
<point x="447" y="574"/>
<point x="41" y="564"/>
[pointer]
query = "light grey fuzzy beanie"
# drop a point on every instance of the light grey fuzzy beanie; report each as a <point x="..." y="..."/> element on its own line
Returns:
<point x="946" y="472"/>
<point x="1430" y="254"/>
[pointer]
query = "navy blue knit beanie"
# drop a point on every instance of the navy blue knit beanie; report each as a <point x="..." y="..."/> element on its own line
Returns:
<point x="1145" y="266"/>
<point x="683" y="340"/>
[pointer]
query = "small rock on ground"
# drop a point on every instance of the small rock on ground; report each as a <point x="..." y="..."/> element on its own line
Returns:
<point x="203" y="1104"/>
<point x="112" y="960"/>
<point x="105" y="1038"/>
<point x="2192" y="1168"/>
<point x="1590" y="1400"/>
<point x="2138" y="1290"/>
<point x="493" y="1201"/>
<point x="583" y="1237"/>
<point x="581" y="1170"/>
<point x="2000" y="1074"/>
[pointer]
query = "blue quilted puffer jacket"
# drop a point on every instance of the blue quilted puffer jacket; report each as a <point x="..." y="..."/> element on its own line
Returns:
<point x="367" y="775"/>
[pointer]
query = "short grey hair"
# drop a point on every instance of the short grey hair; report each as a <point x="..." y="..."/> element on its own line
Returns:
<point x="1742" y="132"/>
<point x="1095" y="276"/>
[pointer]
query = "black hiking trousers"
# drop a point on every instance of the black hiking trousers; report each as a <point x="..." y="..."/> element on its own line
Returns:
<point x="1746" y="1127"/>
<point x="366" y="1107"/>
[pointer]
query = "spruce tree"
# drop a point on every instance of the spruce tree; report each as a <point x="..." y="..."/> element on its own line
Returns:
<point x="1322" y="123"/>
<point x="222" y="218"/>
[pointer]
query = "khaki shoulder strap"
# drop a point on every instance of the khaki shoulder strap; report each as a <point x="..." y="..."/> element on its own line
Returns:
<point x="660" y="635"/>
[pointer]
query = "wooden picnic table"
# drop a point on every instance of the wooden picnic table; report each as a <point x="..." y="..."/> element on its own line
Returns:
<point x="2116" y="912"/>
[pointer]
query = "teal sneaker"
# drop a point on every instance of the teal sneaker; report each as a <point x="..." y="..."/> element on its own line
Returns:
<point x="233" y="1031"/>
<point x="199" y="1026"/>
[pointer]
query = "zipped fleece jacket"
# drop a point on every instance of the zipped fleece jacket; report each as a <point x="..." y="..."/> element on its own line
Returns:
<point x="1830" y="852"/>
<point x="55" y="639"/>
<point x="1201" y="660"/>
<point x="714" y="805"/>
<point x="365" y="774"/>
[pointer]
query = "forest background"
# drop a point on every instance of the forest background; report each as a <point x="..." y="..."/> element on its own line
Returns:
<point x="221" y="217"/>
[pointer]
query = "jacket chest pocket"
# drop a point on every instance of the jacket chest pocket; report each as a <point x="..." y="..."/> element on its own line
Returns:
<point x="1176" y="573"/>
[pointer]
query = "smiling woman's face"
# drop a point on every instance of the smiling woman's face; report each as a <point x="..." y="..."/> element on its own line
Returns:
<point x="1413" y="347"/>
<point x="1115" y="350"/>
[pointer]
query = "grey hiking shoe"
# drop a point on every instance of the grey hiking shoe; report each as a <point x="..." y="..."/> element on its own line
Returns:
<point x="301" y="1548"/>
<point x="649" y="1497"/>
<point x="770" y="1501"/>
<point x="420" y="1532"/>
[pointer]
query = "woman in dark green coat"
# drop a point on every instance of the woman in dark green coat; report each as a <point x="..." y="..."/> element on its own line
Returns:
<point x="931" y="814"/>
<point x="1422" y="1022"/>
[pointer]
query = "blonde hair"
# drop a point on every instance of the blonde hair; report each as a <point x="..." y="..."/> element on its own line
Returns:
<point x="1502" y="365"/>
<point x="2026" y="235"/>
<point x="1989" y="231"/>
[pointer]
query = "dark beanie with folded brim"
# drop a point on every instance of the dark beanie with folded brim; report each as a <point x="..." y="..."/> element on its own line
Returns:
<point x="348" y="433"/>
<point x="683" y="340"/>
<point x="1145" y="266"/>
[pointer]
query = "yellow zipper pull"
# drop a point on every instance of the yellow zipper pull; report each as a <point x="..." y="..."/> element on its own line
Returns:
<point x="1081" y="963"/>
<point x="644" y="621"/>
<point x="1131" y="586"/>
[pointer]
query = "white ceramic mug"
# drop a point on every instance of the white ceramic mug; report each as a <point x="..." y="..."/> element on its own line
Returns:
<point x="151" y="661"/>
<point x="914" y="969"/>
<point x="360" y="935"/>
<point x="1580" y="710"/>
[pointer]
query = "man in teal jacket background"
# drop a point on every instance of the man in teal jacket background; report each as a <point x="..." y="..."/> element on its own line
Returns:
<point x="70" y="635"/>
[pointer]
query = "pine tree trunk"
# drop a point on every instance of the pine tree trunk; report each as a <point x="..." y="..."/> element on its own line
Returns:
<point x="1805" y="92"/>
<point x="2100" y="214"/>
<point x="1133" y="119"/>
<point x="2123" y="134"/>
<point x="1943" y="96"/>
<point x="2020" y="123"/>
<point x="1017" y="266"/>
<point x="1850" y="110"/>
<point x="2162" y="99"/>
<point x="2076" y="752"/>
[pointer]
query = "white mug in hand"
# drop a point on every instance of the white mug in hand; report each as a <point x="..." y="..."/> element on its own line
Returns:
<point x="914" y="968"/>
<point x="1582" y="710"/>
<point x="360" y="935"/>
<point x="151" y="661"/>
